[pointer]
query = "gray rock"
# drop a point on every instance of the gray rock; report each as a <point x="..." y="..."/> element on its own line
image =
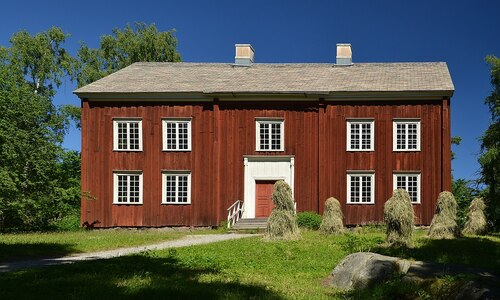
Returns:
<point x="363" y="269"/>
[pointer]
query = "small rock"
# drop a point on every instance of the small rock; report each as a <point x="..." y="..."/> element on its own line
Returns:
<point x="363" y="269"/>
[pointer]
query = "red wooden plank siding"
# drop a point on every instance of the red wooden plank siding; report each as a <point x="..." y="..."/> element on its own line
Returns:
<point x="224" y="131"/>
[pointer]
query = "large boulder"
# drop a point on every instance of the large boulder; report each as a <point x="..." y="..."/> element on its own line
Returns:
<point x="363" y="269"/>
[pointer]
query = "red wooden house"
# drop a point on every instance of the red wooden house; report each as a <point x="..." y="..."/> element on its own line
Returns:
<point x="168" y="144"/>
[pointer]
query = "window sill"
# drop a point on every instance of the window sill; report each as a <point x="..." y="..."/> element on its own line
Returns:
<point x="173" y="203"/>
<point x="412" y="150"/>
<point x="120" y="150"/>
<point x="361" y="203"/>
<point x="358" y="150"/>
<point x="175" y="150"/>
<point x="134" y="204"/>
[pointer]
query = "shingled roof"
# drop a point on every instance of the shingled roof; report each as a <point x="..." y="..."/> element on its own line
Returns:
<point x="302" y="78"/>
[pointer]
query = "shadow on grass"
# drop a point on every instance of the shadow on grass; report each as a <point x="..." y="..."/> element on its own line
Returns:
<point x="467" y="251"/>
<point x="132" y="277"/>
<point x="29" y="251"/>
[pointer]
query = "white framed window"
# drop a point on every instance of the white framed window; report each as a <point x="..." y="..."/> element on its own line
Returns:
<point x="176" y="187"/>
<point x="177" y="134"/>
<point x="361" y="188"/>
<point x="360" y="135"/>
<point x="127" y="187"/>
<point x="127" y="134"/>
<point x="270" y="135"/>
<point x="406" y="135"/>
<point x="409" y="182"/>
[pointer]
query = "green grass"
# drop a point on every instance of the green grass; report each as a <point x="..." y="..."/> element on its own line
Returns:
<point x="249" y="268"/>
<point x="54" y="244"/>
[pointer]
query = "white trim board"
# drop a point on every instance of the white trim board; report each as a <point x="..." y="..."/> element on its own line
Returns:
<point x="265" y="168"/>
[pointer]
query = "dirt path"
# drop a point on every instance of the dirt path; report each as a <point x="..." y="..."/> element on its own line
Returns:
<point x="189" y="240"/>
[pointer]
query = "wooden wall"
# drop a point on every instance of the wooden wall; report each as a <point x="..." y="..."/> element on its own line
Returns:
<point x="222" y="132"/>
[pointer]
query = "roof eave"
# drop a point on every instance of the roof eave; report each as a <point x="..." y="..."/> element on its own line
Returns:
<point x="253" y="96"/>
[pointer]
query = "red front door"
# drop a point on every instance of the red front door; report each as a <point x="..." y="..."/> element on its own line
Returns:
<point x="264" y="198"/>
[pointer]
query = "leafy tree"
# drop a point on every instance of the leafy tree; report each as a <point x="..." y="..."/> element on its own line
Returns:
<point x="490" y="146"/>
<point x="464" y="192"/>
<point x="34" y="169"/>
<point x="141" y="43"/>
<point x="42" y="59"/>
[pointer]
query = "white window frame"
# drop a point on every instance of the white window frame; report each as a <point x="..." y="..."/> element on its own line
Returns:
<point x="371" y="122"/>
<point x="116" y="121"/>
<point x="176" y="173"/>
<point x="260" y="121"/>
<point x="187" y="121"/>
<point x="115" y="187"/>
<point x="370" y="174"/>
<point x="395" y="123"/>
<point x="417" y="174"/>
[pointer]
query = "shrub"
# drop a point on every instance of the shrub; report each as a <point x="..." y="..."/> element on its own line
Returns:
<point x="398" y="217"/>
<point x="282" y="223"/>
<point x="476" y="219"/>
<point x="444" y="223"/>
<point x="70" y="222"/>
<point x="332" y="217"/>
<point x="309" y="219"/>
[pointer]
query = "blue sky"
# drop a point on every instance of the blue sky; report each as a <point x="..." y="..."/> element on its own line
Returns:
<point x="458" y="32"/>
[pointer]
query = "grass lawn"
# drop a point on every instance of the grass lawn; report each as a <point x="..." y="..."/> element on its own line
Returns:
<point x="241" y="269"/>
<point x="37" y="245"/>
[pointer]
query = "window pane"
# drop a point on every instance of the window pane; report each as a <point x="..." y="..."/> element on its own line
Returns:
<point x="355" y="184"/>
<point x="365" y="136"/>
<point x="401" y="136"/>
<point x="183" y="135"/>
<point x="264" y="136"/>
<point x="122" y="135"/>
<point x="171" y="136"/>
<point x="134" y="136"/>
<point x="275" y="136"/>
<point x="170" y="188"/>
<point x="355" y="139"/>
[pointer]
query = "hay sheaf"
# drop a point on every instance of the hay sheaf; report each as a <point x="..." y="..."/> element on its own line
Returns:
<point x="282" y="196"/>
<point x="332" y="217"/>
<point x="444" y="223"/>
<point x="398" y="216"/>
<point x="282" y="223"/>
<point x="476" y="218"/>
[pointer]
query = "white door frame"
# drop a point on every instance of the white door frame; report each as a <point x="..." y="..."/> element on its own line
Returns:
<point x="265" y="167"/>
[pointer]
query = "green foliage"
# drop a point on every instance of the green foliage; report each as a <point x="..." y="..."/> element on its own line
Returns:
<point x="309" y="220"/>
<point x="455" y="140"/>
<point x="476" y="218"/>
<point x="39" y="181"/>
<point x="42" y="59"/>
<point x="444" y="223"/>
<point x="332" y="217"/>
<point x="464" y="192"/>
<point x="140" y="43"/>
<point x="399" y="217"/>
<point x="359" y="242"/>
<point x="282" y="223"/>
<point x="490" y="146"/>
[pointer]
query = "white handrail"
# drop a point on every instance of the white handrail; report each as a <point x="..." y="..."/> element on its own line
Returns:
<point x="234" y="213"/>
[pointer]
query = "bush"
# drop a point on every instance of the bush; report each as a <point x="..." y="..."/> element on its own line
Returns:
<point x="476" y="219"/>
<point x="332" y="217"/>
<point x="282" y="223"/>
<point x="444" y="223"/>
<point x="309" y="219"/>
<point x="398" y="216"/>
<point x="70" y="222"/>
